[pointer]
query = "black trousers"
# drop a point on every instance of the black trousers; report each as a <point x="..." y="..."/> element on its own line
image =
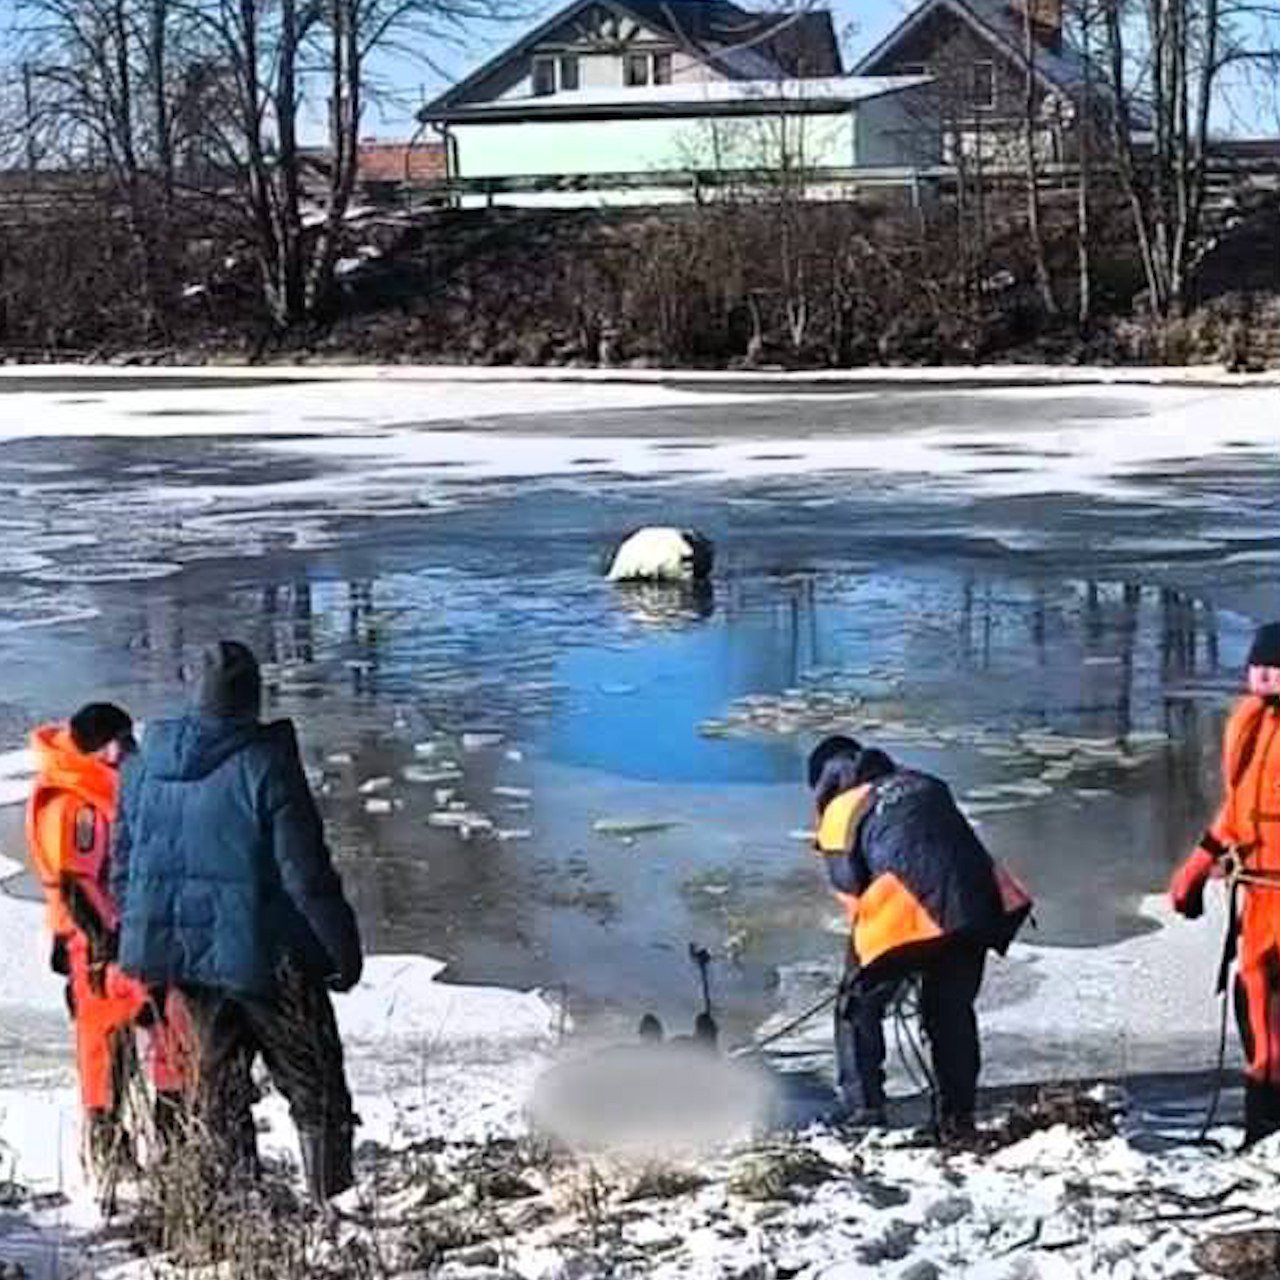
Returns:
<point x="949" y="983"/>
<point x="296" y="1034"/>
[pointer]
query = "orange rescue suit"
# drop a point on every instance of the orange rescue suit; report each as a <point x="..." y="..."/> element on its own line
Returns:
<point x="69" y="818"/>
<point x="1249" y="822"/>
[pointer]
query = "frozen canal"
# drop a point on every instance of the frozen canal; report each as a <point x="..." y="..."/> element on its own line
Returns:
<point x="1045" y="595"/>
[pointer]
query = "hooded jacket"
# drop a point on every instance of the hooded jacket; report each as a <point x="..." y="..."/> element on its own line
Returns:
<point x="73" y="803"/>
<point x="913" y="873"/>
<point x="220" y="865"/>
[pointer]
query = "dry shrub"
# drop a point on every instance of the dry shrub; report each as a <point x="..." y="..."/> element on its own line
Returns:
<point x="1047" y="1106"/>
<point x="1240" y="1255"/>
<point x="663" y="1182"/>
<point x="779" y="1173"/>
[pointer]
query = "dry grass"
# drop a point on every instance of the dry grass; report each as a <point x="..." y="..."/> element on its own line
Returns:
<point x="779" y="1173"/>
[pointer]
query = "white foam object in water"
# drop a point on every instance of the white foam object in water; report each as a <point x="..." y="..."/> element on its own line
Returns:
<point x="660" y="554"/>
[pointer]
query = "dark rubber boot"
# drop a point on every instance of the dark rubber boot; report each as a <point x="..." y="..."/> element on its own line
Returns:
<point x="326" y="1162"/>
<point x="1261" y="1111"/>
<point x="168" y="1115"/>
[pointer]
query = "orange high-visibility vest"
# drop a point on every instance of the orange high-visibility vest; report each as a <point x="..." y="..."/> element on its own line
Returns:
<point x="893" y="915"/>
<point x="887" y="916"/>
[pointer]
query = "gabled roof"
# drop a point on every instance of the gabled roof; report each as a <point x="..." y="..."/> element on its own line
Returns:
<point x="1059" y="67"/>
<point x="738" y="43"/>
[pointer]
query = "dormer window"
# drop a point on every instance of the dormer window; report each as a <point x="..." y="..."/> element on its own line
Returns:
<point x="559" y="73"/>
<point x="635" y="70"/>
<point x="544" y="77"/>
<point x="639" y="69"/>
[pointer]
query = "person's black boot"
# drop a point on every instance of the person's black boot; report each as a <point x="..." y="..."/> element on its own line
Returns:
<point x="326" y="1162"/>
<point x="1261" y="1111"/>
<point x="956" y="1130"/>
<point x="168" y="1115"/>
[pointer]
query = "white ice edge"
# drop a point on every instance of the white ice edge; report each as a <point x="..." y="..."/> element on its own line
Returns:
<point x="388" y="430"/>
<point x="1017" y="375"/>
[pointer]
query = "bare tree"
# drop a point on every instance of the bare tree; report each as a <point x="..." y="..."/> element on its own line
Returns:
<point x="1030" y="146"/>
<point x="1165" y="62"/>
<point x="1084" y="14"/>
<point x="103" y="83"/>
<point x="278" y="55"/>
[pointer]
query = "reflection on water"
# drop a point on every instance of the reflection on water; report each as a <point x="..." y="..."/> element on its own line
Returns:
<point x="588" y="703"/>
<point x="514" y="699"/>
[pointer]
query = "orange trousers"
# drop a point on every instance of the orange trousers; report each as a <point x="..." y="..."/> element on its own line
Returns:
<point x="106" y="1008"/>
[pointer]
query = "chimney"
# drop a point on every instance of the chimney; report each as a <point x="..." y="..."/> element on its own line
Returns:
<point x="1046" y="20"/>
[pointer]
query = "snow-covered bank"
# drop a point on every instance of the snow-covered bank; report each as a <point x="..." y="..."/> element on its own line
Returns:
<point x="1141" y="1006"/>
<point x="425" y="1058"/>
<point x="454" y="1067"/>
<point x="1051" y="1191"/>
<point x="906" y="376"/>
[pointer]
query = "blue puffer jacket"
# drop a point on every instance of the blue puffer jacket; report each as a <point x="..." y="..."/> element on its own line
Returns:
<point x="220" y="865"/>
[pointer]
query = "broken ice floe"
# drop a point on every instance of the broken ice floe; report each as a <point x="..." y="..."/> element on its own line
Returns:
<point x="106" y="571"/>
<point x="22" y="614"/>
<point x="1053" y="759"/>
<point x="466" y="822"/>
<point x="446" y="771"/>
<point x="626" y="828"/>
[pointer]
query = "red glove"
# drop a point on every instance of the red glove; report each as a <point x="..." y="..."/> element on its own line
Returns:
<point x="1186" y="889"/>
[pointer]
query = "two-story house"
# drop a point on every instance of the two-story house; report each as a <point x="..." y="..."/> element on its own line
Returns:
<point x="975" y="53"/>
<point x="614" y="99"/>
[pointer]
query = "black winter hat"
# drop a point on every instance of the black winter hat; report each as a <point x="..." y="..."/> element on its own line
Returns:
<point x="828" y="749"/>
<point x="229" y="683"/>
<point x="97" y="724"/>
<point x="1265" y="650"/>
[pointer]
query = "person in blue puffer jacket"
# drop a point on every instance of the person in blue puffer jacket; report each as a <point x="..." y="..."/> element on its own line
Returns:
<point x="228" y="893"/>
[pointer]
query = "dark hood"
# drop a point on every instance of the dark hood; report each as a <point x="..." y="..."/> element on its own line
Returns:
<point x="194" y="746"/>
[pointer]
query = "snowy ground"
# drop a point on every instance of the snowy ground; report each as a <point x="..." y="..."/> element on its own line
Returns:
<point x="458" y="1064"/>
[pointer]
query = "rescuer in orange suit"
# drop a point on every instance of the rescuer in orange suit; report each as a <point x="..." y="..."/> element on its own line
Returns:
<point x="69" y="819"/>
<point x="925" y="899"/>
<point x="1247" y="825"/>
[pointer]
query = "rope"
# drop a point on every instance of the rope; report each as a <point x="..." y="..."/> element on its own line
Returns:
<point x="1219" y="1079"/>
<point x="812" y="1011"/>
<point x="1237" y="877"/>
<point x="906" y="1017"/>
<point x="905" y="1012"/>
